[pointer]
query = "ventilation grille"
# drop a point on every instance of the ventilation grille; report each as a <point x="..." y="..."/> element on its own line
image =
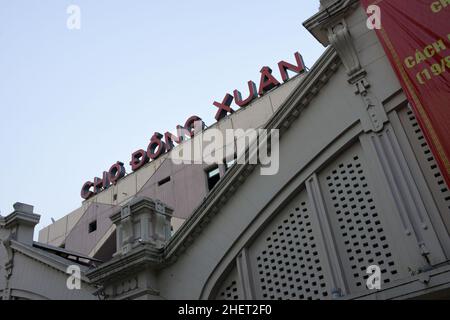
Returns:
<point x="230" y="288"/>
<point x="288" y="263"/>
<point x="427" y="159"/>
<point x="358" y="223"/>
<point x="230" y="292"/>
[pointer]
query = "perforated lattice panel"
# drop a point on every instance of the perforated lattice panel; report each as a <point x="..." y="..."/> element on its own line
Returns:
<point x="357" y="223"/>
<point x="230" y="292"/>
<point x="287" y="257"/>
<point x="230" y="288"/>
<point x="426" y="159"/>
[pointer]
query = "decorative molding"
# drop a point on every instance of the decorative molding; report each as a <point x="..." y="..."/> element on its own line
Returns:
<point x="245" y="275"/>
<point x="118" y="279"/>
<point x="318" y="209"/>
<point x="138" y="293"/>
<point x="20" y="217"/>
<point x="342" y="41"/>
<point x="9" y="264"/>
<point x="331" y="20"/>
<point x="374" y="115"/>
<point x="406" y="196"/>
<point x="138" y="259"/>
<point x="330" y="12"/>
<point x="6" y="294"/>
<point x="152" y="219"/>
<point x="125" y="286"/>
<point x="100" y="293"/>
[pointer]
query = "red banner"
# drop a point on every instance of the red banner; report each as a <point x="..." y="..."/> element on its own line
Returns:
<point x="416" y="37"/>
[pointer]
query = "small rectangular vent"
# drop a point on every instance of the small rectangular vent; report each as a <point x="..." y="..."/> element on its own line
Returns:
<point x="163" y="181"/>
<point x="93" y="226"/>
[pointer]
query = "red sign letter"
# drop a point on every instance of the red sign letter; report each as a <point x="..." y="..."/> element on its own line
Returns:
<point x="157" y="147"/>
<point x="284" y="66"/>
<point x="224" y="107"/>
<point x="138" y="159"/>
<point x="252" y="95"/>
<point x="98" y="185"/>
<point x="194" y="125"/>
<point x="116" y="172"/>
<point x="268" y="81"/>
<point x="86" y="193"/>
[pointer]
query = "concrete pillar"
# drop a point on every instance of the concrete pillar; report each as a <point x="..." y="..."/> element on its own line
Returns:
<point x="142" y="221"/>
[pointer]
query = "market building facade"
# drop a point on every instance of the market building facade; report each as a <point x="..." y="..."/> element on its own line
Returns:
<point x="358" y="191"/>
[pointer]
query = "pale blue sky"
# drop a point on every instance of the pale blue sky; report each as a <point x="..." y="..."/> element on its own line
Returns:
<point x="73" y="102"/>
